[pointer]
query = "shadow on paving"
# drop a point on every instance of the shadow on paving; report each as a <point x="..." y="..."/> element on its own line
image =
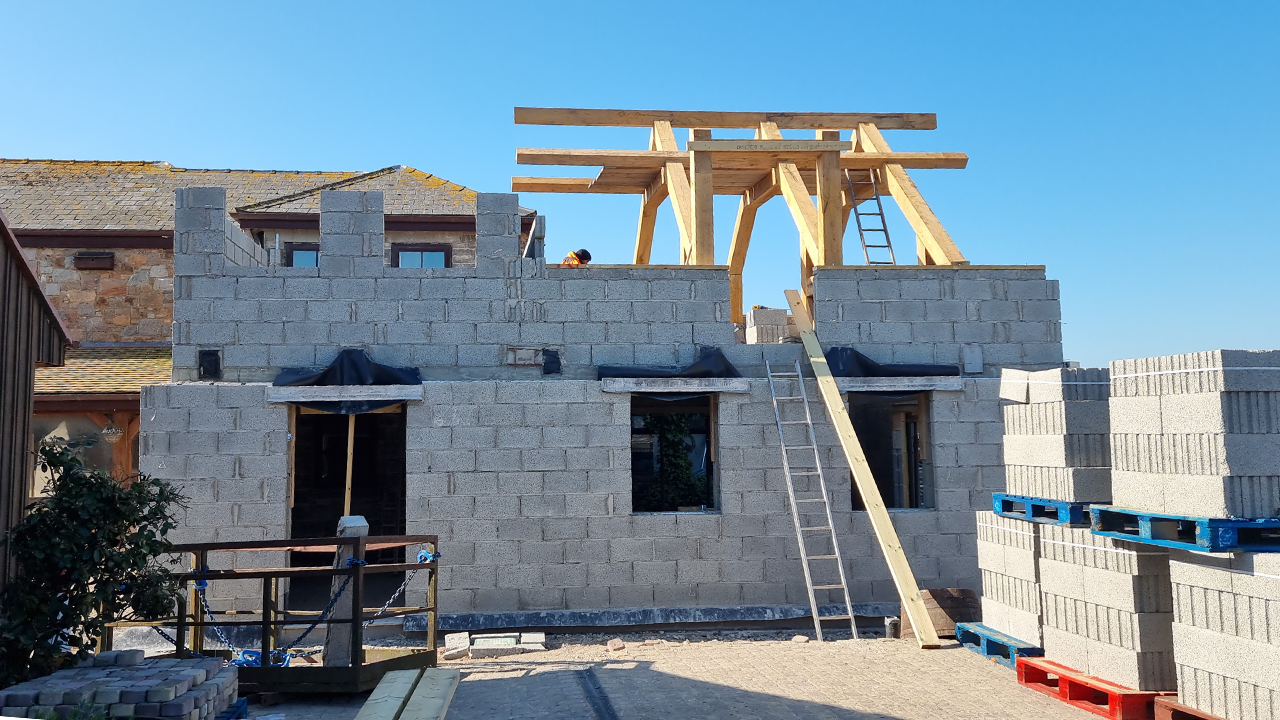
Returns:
<point x="623" y="690"/>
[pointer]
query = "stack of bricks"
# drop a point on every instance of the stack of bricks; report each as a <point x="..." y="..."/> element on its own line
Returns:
<point x="1107" y="607"/>
<point x="770" y="325"/>
<point x="123" y="684"/>
<point x="1199" y="435"/>
<point x="1008" y="558"/>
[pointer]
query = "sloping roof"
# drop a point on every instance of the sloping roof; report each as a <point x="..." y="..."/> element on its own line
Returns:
<point x="105" y="370"/>
<point x="129" y="195"/>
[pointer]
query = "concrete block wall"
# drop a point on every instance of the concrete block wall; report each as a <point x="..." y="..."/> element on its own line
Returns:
<point x="1056" y="445"/>
<point x="226" y="449"/>
<point x="1108" y="607"/>
<point x="1198" y="434"/>
<point x="452" y="323"/>
<point x="1226" y="633"/>
<point x="913" y="314"/>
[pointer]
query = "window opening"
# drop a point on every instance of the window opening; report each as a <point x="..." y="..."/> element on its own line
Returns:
<point x="377" y="493"/>
<point x="422" y="256"/>
<point x="302" y="254"/>
<point x="894" y="432"/>
<point x="672" y="454"/>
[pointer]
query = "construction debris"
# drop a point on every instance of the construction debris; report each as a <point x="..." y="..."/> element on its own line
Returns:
<point x="615" y="645"/>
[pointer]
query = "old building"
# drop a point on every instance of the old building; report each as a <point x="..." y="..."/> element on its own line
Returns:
<point x="100" y="235"/>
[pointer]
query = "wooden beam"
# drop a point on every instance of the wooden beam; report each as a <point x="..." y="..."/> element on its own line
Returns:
<point x="934" y="244"/>
<point x="895" y="557"/>
<point x="592" y="117"/>
<point x="701" y="250"/>
<point x="351" y="451"/>
<point x="796" y="194"/>
<point x="734" y="159"/>
<point x="664" y="138"/>
<point x="774" y="146"/>
<point x="829" y="206"/>
<point x="551" y="185"/>
<point x="649" y="202"/>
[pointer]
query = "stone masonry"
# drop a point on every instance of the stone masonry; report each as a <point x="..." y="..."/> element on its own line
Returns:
<point x="527" y="477"/>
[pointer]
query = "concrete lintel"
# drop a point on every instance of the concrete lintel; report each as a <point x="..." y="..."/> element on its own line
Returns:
<point x="637" y="616"/>
<point x="900" y="384"/>
<point x="675" y="385"/>
<point x="337" y="393"/>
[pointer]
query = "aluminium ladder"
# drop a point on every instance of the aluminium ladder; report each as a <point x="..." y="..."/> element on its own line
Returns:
<point x="806" y="531"/>
<point x="858" y="215"/>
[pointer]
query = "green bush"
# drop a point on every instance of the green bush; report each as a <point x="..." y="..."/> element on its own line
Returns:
<point x="88" y="553"/>
<point x="676" y="484"/>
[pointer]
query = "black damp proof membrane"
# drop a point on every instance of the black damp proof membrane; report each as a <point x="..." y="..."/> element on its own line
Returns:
<point x="351" y="367"/>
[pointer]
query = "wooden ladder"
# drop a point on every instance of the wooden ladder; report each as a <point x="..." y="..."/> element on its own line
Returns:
<point x="816" y="503"/>
<point x="895" y="557"/>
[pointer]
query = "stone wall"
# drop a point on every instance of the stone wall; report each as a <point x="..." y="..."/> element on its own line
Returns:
<point x="131" y="303"/>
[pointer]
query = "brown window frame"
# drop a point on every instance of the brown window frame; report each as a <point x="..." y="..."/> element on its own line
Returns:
<point x="397" y="248"/>
<point x="290" y="248"/>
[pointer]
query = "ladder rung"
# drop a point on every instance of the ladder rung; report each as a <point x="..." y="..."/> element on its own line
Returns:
<point x="815" y="527"/>
<point x="828" y="587"/>
<point x="799" y="500"/>
<point x="786" y="397"/>
<point x="784" y="374"/>
<point x="795" y="422"/>
<point x="805" y="472"/>
<point x="823" y="557"/>
<point x="834" y="617"/>
<point x="798" y="447"/>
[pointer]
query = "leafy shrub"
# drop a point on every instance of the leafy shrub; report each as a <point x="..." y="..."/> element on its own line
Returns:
<point x="88" y="553"/>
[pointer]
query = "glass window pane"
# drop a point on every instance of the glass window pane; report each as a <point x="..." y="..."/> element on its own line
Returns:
<point x="305" y="258"/>
<point x="410" y="259"/>
<point x="433" y="259"/>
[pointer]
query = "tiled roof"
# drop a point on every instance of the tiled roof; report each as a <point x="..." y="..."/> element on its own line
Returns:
<point x="105" y="370"/>
<point x="110" y="195"/>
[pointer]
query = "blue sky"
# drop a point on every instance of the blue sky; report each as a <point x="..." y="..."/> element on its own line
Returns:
<point x="1130" y="147"/>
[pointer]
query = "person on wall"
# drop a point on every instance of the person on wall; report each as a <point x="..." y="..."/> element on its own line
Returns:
<point x="577" y="257"/>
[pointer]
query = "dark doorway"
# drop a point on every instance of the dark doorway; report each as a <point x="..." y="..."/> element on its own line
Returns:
<point x="319" y="490"/>
<point x="894" y="432"/>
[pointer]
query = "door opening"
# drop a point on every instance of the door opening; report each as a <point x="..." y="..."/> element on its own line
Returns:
<point x="319" y="493"/>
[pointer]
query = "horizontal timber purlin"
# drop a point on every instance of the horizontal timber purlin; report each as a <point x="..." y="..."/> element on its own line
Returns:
<point x="840" y="173"/>
<point x="591" y="117"/>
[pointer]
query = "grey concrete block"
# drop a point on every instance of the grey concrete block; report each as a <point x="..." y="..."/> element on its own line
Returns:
<point x="1058" y="450"/>
<point x="1057" y="418"/>
<point x="1081" y="484"/>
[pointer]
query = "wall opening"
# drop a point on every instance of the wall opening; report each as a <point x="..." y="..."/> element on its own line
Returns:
<point x="894" y="432"/>
<point x="319" y="490"/>
<point x="672" y="454"/>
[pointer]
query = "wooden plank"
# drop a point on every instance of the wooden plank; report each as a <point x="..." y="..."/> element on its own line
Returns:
<point x="771" y="146"/>
<point x="388" y="700"/>
<point x="802" y="209"/>
<point x="552" y="185"/>
<point x="731" y="160"/>
<point x="899" y="569"/>
<point x="702" y="213"/>
<point x="830" y="207"/>
<point x="664" y="139"/>
<point x="936" y="243"/>
<point x="593" y="117"/>
<point x="431" y="698"/>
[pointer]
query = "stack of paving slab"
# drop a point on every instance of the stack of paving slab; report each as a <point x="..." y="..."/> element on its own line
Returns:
<point x="488" y="645"/>
<point x="124" y="684"/>
<point x="770" y="325"/>
<point x="1199" y="435"/>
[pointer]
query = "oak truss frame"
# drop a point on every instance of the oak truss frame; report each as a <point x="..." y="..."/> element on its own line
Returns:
<point x="808" y="174"/>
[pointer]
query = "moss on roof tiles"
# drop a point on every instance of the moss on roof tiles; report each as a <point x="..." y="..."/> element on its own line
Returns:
<point x="105" y="370"/>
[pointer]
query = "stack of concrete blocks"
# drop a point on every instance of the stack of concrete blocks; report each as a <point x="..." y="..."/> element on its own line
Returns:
<point x="1056" y="434"/>
<point x="1198" y="434"/>
<point x="1008" y="558"/>
<point x="122" y="684"/>
<point x="1107" y="607"/>
<point x="770" y="325"/>
<point x="1226" y="635"/>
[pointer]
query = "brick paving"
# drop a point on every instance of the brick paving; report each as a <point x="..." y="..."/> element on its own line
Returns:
<point x="743" y="676"/>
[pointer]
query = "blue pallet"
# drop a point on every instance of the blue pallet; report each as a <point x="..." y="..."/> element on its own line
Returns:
<point x="236" y="710"/>
<point x="995" y="645"/>
<point x="1188" y="533"/>
<point x="1040" y="510"/>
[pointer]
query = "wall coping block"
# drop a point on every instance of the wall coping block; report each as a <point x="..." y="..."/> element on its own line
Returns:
<point x="898" y="384"/>
<point x="338" y="393"/>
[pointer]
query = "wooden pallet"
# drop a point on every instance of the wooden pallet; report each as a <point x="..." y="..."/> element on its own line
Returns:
<point x="1040" y="510"/>
<point x="995" y="645"/>
<point x="1087" y="693"/>
<point x="1185" y="532"/>
<point x="1169" y="709"/>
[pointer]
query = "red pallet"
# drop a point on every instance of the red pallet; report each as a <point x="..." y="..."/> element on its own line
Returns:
<point x="1087" y="693"/>
<point x="1170" y="709"/>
